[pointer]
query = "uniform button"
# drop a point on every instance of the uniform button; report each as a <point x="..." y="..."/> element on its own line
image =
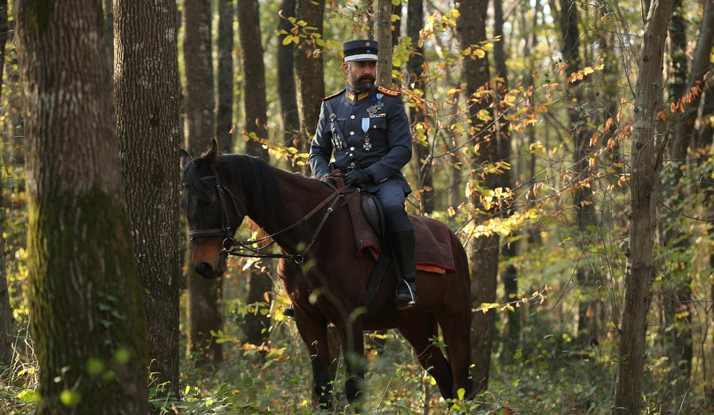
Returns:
<point x="351" y="155"/>
<point x="352" y="149"/>
<point x="352" y="133"/>
<point x="375" y="126"/>
<point x="352" y="117"/>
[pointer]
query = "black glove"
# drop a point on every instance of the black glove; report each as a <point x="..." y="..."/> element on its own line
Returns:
<point x="357" y="177"/>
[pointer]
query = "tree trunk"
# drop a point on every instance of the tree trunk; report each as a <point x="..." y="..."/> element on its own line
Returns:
<point x="147" y="100"/>
<point x="7" y="331"/>
<point x="260" y="285"/>
<point x="706" y="131"/>
<point x="286" y="87"/>
<point x="84" y="288"/>
<point x="680" y="306"/>
<point x="640" y="270"/>
<point x="256" y="324"/>
<point x="584" y="202"/>
<point x="383" y="35"/>
<point x="109" y="27"/>
<point x="510" y="276"/>
<point x="253" y="77"/>
<point x="483" y="251"/>
<point x="418" y="113"/>
<point x="224" y="112"/>
<point x="308" y="68"/>
<point x="204" y="312"/>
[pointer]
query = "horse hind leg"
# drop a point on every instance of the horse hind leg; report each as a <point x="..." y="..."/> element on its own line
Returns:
<point x="456" y="336"/>
<point x="430" y="356"/>
<point x="352" y="339"/>
<point x="314" y="334"/>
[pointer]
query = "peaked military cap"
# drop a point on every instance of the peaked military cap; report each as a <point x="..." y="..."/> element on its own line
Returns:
<point x="360" y="50"/>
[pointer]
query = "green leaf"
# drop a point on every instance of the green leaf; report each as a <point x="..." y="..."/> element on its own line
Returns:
<point x="95" y="366"/>
<point x="70" y="398"/>
<point x="122" y="355"/>
<point x="287" y="39"/>
<point x="461" y="392"/>
<point x="396" y="62"/>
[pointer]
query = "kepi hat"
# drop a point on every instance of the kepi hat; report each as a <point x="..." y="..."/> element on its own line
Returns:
<point x="362" y="50"/>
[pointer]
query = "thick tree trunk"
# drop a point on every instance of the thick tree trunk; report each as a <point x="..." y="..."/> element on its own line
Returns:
<point x="204" y="312"/>
<point x="640" y="270"/>
<point x="256" y="324"/>
<point x="310" y="73"/>
<point x="383" y="35"/>
<point x="224" y="111"/>
<point x="85" y="295"/>
<point x="109" y="25"/>
<point x="706" y="131"/>
<point x="256" y="118"/>
<point x="286" y="86"/>
<point x="584" y="202"/>
<point x="253" y="77"/>
<point x="147" y="100"/>
<point x="7" y="331"/>
<point x="483" y="251"/>
<point x="418" y="113"/>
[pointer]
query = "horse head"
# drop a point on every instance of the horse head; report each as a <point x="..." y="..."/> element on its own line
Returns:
<point x="212" y="210"/>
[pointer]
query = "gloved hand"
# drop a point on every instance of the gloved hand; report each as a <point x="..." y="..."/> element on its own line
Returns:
<point x="357" y="177"/>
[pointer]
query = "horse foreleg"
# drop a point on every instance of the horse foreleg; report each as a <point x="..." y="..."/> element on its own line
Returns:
<point x="352" y="339"/>
<point x="430" y="356"/>
<point x="314" y="333"/>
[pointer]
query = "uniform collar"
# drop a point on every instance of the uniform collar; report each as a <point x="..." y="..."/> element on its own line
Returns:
<point x="355" y="98"/>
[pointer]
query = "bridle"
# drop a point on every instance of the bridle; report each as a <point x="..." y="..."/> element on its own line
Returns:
<point x="225" y="229"/>
<point x="229" y="243"/>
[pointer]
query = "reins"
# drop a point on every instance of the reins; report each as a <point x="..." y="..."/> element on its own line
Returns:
<point x="229" y="244"/>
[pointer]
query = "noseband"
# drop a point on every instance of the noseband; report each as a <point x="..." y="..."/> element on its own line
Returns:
<point x="225" y="229"/>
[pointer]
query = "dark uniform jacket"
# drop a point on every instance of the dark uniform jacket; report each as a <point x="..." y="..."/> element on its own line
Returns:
<point x="387" y="147"/>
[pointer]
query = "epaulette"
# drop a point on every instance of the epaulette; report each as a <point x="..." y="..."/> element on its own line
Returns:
<point x="388" y="92"/>
<point x="334" y="95"/>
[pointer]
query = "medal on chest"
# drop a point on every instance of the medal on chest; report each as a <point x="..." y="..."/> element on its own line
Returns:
<point x="365" y="127"/>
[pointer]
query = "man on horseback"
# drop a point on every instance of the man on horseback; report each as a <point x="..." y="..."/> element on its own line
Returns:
<point x="367" y="129"/>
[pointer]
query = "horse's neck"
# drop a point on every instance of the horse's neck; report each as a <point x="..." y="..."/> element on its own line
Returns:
<point x="301" y="195"/>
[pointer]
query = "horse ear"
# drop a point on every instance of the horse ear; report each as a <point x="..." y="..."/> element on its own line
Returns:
<point x="185" y="157"/>
<point x="212" y="154"/>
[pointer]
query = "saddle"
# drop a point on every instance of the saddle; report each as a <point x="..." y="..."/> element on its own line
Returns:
<point x="433" y="251"/>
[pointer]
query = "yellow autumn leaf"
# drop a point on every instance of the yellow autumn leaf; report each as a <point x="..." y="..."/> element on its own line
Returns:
<point x="455" y="13"/>
<point x="487" y="47"/>
<point x="479" y="53"/>
<point x="287" y="39"/>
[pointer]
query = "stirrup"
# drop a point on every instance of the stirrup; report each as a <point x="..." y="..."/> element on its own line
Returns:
<point x="405" y="302"/>
<point x="289" y="312"/>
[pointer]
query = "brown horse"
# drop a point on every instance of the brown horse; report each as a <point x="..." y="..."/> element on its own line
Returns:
<point x="330" y="286"/>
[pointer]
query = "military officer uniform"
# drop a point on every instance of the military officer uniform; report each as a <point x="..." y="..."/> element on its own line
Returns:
<point x="369" y="132"/>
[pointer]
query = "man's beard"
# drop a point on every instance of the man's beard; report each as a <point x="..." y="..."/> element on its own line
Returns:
<point x="364" y="84"/>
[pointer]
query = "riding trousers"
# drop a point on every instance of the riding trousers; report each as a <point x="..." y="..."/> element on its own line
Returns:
<point x="391" y="196"/>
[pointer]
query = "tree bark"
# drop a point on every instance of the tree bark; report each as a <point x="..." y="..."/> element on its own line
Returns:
<point x="7" y="331"/>
<point x="640" y="270"/>
<point x="483" y="251"/>
<point x="204" y="313"/>
<point x="253" y="77"/>
<point x="109" y="27"/>
<point x="224" y="111"/>
<point x="286" y="86"/>
<point x="310" y="75"/>
<point x="260" y="285"/>
<point x="418" y="112"/>
<point x="383" y="35"/>
<point x="510" y="275"/>
<point x="84" y="289"/>
<point x="147" y="98"/>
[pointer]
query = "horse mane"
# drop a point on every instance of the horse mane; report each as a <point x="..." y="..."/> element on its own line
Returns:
<point x="254" y="176"/>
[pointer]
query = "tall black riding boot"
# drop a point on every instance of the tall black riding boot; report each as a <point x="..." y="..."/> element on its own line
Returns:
<point x="403" y="244"/>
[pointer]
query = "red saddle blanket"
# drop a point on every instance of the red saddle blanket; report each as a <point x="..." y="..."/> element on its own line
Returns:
<point x="433" y="239"/>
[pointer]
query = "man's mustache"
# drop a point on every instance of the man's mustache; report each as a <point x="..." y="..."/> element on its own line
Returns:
<point x="366" y="78"/>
